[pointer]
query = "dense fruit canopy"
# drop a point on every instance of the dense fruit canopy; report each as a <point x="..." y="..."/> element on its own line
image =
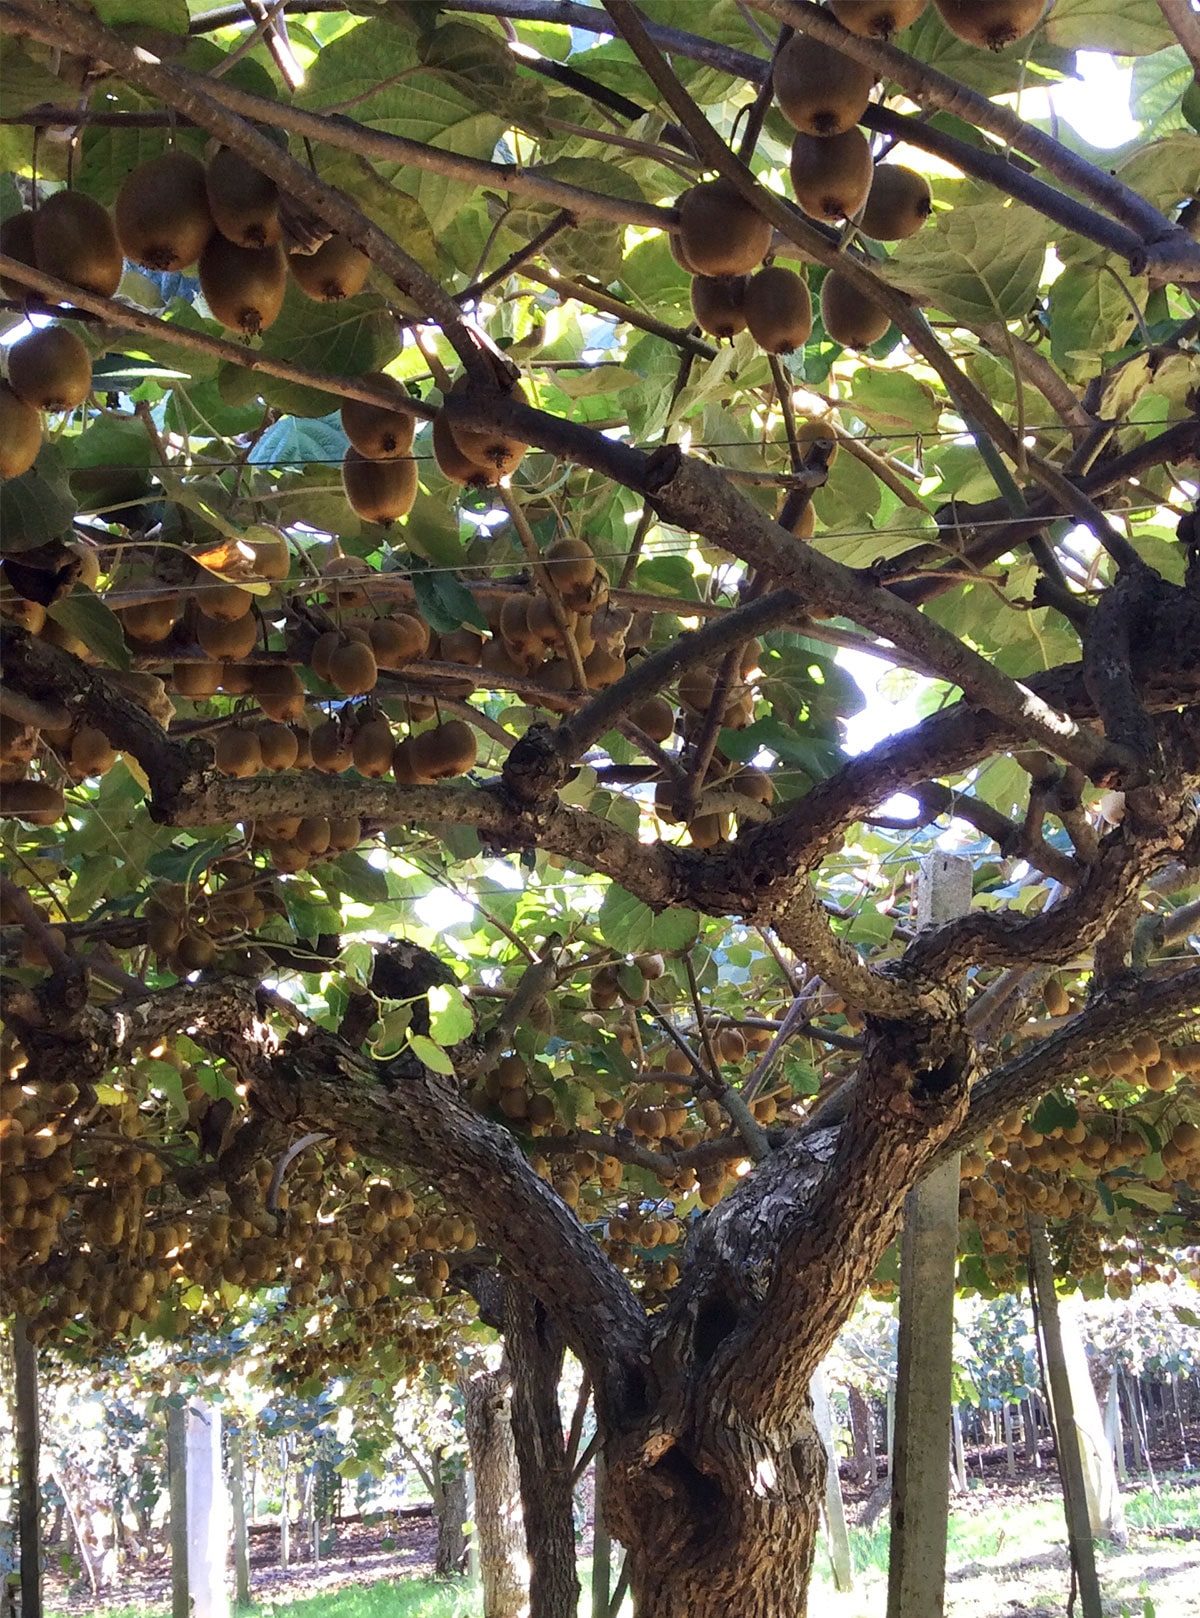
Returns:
<point x="523" y="525"/>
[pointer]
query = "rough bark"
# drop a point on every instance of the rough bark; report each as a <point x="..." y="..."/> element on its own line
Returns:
<point x="498" y="1522"/>
<point x="451" y="1504"/>
<point x="534" y="1347"/>
<point x="28" y="1435"/>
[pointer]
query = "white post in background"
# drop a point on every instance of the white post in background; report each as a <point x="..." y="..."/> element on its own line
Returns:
<point x="1106" y="1513"/>
<point x="1114" y="1429"/>
<point x="208" y="1525"/>
<point x="835" y="1514"/>
<point x="928" y="1273"/>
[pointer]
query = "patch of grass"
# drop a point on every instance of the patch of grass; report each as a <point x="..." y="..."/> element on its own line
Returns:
<point x="392" y="1598"/>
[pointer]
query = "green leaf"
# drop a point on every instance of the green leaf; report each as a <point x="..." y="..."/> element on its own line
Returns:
<point x="24" y="83"/>
<point x="1092" y="310"/>
<point x="39" y="505"/>
<point x="354" y="876"/>
<point x="338" y="339"/>
<point x="433" y="1056"/>
<point x="168" y="16"/>
<point x="109" y="1096"/>
<point x="624" y="922"/>
<point x="675" y="929"/>
<point x="445" y="602"/>
<point x="1145" y="1196"/>
<point x="88" y="617"/>
<point x="980" y="261"/>
<point x="1055" y="1112"/>
<point x="185" y="863"/>
<point x="1130" y="28"/>
<point x="450" y="1017"/>
<point x="1189" y="106"/>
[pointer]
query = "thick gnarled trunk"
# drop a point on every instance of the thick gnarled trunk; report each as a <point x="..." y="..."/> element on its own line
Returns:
<point x="503" y="1568"/>
<point x="728" y="1526"/>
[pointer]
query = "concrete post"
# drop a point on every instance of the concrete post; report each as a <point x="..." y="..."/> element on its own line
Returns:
<point x="1113" y="1427"/>
<point x="601" y="1544"/>
<point x="928" y="1270"/>
<point x="27" y="1431"/>
<point x="1105" y="1510"/>
<point x="241" y="1538"/>
<point x="835" y="1513"/>
<point x="207" y="1513"/>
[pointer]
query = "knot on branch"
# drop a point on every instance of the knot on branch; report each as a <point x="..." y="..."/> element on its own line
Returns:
<point x="918" y="1069"/>
<point x="535" y="768"/>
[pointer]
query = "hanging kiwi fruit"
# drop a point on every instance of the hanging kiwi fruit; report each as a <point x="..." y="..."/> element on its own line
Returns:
<point x="447" y="750"/>
<point x="820" y="90"/>
<point x="20" y="433"/>
<point x="497" y="452"/>
<point x="374" y="430"/>
<point x="831" y="178"/>
<point x="16" y="241"/>
<point x="162" y="215"/>
<point x="876" y="19"/>
<point x="379" y="491"/>
<point x="898" y="203"/>
<point x="353" y="669"/>
<point x="851" y="317"/>
<point x="992" y="24"/>
<point x="243" y="201"/>
<point x="237" y="752"/>
<point x="244" y="286"/>
<point x="50" y="369"/>
<point x="452" y="463"/>
<point x="720" y="233"/>
<point x="778" y="309"/>
<point x="74" y="239"/>
<point x="373" y="748"/>
<point x="717" y="304"/>
<point x="337" y="270"/>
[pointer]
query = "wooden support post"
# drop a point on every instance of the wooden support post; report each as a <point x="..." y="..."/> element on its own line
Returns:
<point x="28" y="1435"/>
<point x="241" y="1540"/>
<point x="1010" y="1458"/>
<point x="958" y="1453"/>
<point x="835" y="1513"/>
<point x="928" y="1269"/>
<point x="1066" y="1444"/>
<point x="601" y="1545"/>
<point x="285" y="1505"/>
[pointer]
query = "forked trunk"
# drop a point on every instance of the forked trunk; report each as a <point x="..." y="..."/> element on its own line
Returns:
<point x="728" y="1529"/>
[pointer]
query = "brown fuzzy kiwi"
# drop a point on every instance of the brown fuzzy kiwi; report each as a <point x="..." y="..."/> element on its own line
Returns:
<point x="876" y="19"/>
<point x="16" y="241"/>
<point x="278" y="744"/>
<point x="831" y="178"/>
<point x="463" y="646"/>
<point x="992" y="24"/>
<point x="345" y="834"/>
<point x="820" y="90"/>
<point x="398" y="640"/>
<point x="496" y="451"/>
<point x="162" y="214"/>
<point x="20" y="433"/>
<point x="374" y="431"/>
<point x="656" y="717"/>
<point x="331" y="748"/>
<point x="215" y="598"/>
<point x="447" y="750"/>
<point x="452" y="463"/>
<point x="404" y="766"/>
<point x="335" y="271"/>
<point x="572" y="566"/>
<point x="373" y="748"/>
<point x="719" y="232"/>
<point x="717" y="304"/>
<point x="850" y="316"/>
<point x="243" y="201"/>
<point x="322" y="650"/>
<point x="227" y="640"/>
<point x="898" y="205"/>
<point x="603" y="668"/>
<point x="272" y="556"/>
<point x="50" y="369"/>
<point x="154" y="620"/>
<point x="244" y="286"/>
<point x="1055" y="998"/>
<point x="379" y="491"/>
<point x="312" y="835"/>
<point x="706" y="831"/>
<point x="237" y="752"/>
<point x="277" y="689"/>
<point x="91" y="753"/>
<point x="778" y="310"/>
<point x="753" y="783"/>
<point x="353" y="669"/>
<point x="339" y="572"/>
<point x="36" y="802"/>
<point x="74" y="239"/>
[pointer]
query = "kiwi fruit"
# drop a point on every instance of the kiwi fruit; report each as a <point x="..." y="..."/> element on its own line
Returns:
<point x="572" y="566"/>
<point x="277" y="689"/>
<point x="279" y="745"/>
<point x="463" y="646"/>
<point x="74" y="239"/>
<point x="898" y="204"/>
<point x="373" y="748"/>
<point x="312" y="835"/>
<point x="820" y="90"/>
<point x="719" y="232"/>
<point x="152" y="620"/>
<point x="335" y="271"/>
<point x="497" y="452"/>
<point x="353" y="669"/>
<point x="717" y="304"/>
<point x="376" y="432"/>
<point x="452" y="463"/>
<point x="398" y="640"/>
<point x="992" y="24"/>
<point x="216" y="598"/>
<point x="850" y="316"/>
<point x="237" y="752"/>
<point x="16" y="241"/>
<point x="331" y="749"/>
<point x="50" y="369"/>
<point x="404" y="766"/>
<point x="227" y="639"/>
<point x="38" y="803"/>
<point x="831" y="178"/>
<point x="447" y="750"/>
<point x="778" y="309"/>
<point x="603" y="668"/>
<point x="656" y="717"/>
<point x="379" y="491"/>
<point x="876" y="19"/>
<point x="91" y="753"/>
<point x="244" y="286"/>
<point x="243" y="201"/>
<point x="804" y="524"/>
<point x="20" y="433"/>
<point x="272" y="558"/>
<point x="162" y="215"/>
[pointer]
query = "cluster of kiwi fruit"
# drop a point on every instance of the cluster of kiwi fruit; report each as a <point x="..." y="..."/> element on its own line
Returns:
<point x="379" y="473"/>
<point x="477" y="457"/>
